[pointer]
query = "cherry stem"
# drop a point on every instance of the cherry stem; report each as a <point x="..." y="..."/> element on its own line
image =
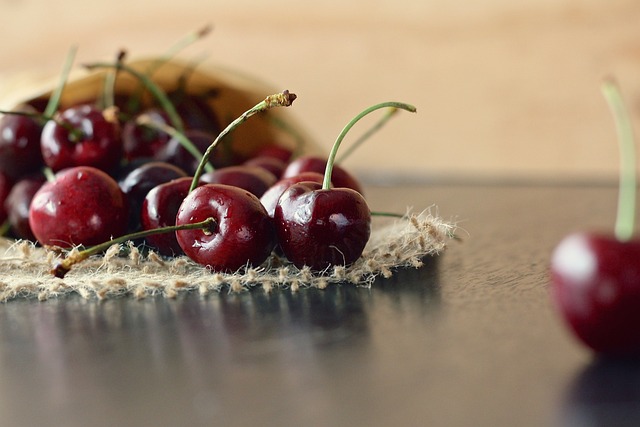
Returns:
<point x="155" y="90"/>
<point x="390" y="113"/>
<point x="326" y="183"/>
<point x="54" y="100"/>
<point x="625" y="219"/>
<point x="283" y="99"/>
<point x="63" y="267"/>
<point x="5" y="227"/>
<point x="109" y="93"/>
<point x="387" y="214"/>
<point x="145" y="120"/>
<point x="48" y="173"/>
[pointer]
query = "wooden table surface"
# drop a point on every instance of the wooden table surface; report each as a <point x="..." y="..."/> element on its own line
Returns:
<point x="470" y="339"/>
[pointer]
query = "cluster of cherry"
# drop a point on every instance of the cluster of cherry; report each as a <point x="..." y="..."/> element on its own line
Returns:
<point x="96" y="173"/>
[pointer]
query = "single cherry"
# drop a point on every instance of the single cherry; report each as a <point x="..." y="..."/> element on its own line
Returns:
<point x="244" y="233"/>
<point x="18" y="202"/>
<point x="82" y="136"/>
<point x="595" y="277"/>
<point x="254" y="179"/>
<point x="159" y="209"/>
<point x="319" y="226"/>
<point x="20" y="143"/>
<point x="81" y="206"/>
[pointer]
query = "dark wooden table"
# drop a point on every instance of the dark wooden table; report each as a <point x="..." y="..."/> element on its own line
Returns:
<point x="470" y="339"/>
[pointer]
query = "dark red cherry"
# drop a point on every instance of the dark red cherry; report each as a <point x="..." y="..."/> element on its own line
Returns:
<point x="254" y="179"/>
<point x="196" y="111"/>
<point x="6" y="184"/>
<point x="320" y="228"/>
<point x="595" y="284"/>
<point x="340" y="177"/>
<point x="270" y="198"/>
<point x="137" y="183"/>
<point x="81" y="206"/>
<point x="20" y="144"/>
<point x="82" y="136"/>
<point x="175" y="153"/>
<point x="272" y="164"/>
<point x="144" y="142"/>
<point x="159" y="209"/>
<point x="244" y="234"/>
<point x="17" y="205"/>
<point x="276" y="151"/>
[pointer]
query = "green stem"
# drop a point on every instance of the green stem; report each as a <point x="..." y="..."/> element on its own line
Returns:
<point x="109" y="93"/>
<point x="387" y="214"/>
<point x="54" y="100"/>
<point x="625" y="219"/>
<point x="63" y="267"/>
<point x="326" y="184"/>
<point x="5" y="227"/>
<point x="283" y="99"/>
<point x="188" y="145"/>
<point x="390" y="113"/>
<point x="155" y="90"/>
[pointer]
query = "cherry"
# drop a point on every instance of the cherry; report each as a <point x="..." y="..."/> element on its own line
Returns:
<point x="254" y="179"/>
<point x="272" y="164"/>
<point x="82" y="136"/>
<point x="20" y="143"/>
<point x="275" y="151"/>
<point x="595" y="277"/>
<point x="319" y="226"/>
<point x="137" y="183"/>
<point x="159" y="209"/>
<point x="81" y="206"/>
<point x="244" y="234"/>
<point x="340" y="177"/>
<point x="141" y="141"/>
<point x="18" y="202"/>
<point x="270" y="198"/>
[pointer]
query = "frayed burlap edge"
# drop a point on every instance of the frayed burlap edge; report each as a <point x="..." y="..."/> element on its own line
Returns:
<point x="125" y="270"/>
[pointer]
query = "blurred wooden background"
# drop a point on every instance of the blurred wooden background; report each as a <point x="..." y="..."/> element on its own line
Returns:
<point x="504" y="90"/>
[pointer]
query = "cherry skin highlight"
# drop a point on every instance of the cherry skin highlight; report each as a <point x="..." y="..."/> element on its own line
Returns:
<point x="595" y="285"/>
<point x="82" y="136"/>
<point x="81" y="206"/>
<point x="321" y="228"/>
<point x="244" y="234"/>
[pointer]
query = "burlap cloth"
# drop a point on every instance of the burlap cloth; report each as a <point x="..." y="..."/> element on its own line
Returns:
<point x="125" y="270"/>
